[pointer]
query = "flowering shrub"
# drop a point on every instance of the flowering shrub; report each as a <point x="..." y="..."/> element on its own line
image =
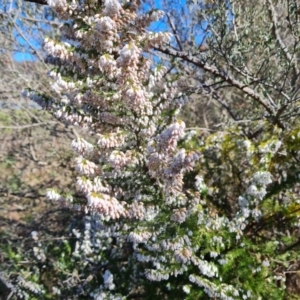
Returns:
<point x="167" y="215"/>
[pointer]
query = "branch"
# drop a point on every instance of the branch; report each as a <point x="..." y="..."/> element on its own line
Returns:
<point x="52" y="23"/>
<point x="174" y="32"/>
<point x="219" y="73"/>
<point x="290" y="247"/>
<point x="42" y="2"/>
<point x="219" y="99"/>
<point x="26" y="40"/>
<point x="216" y="95"/>
<point x="29" y="125"/>
<point x="273" y="17"/>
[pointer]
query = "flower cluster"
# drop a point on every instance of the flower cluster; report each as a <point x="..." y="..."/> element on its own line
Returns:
<point x="255" y="194"/>
<point x="152" y="212"/>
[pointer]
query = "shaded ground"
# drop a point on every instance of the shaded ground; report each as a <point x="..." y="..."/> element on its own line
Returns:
<point x="33" y="157"/>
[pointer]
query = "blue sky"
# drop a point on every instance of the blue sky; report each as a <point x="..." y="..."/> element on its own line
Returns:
<point x="160" y="25"/>
<point x="13" y="12"/>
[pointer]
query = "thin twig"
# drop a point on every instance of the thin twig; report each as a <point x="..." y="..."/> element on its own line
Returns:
<point x="291" y="272"/>
<point x="273" y="17"/>
<point x="53" y="23"/>
<point x="42" y="2"/>
<point x="219" y="73"/>
<point x="174" y="32"/>
<point x="28" y="126"/>
<point x="199" y="128"/>
<point x="26" y="40"/>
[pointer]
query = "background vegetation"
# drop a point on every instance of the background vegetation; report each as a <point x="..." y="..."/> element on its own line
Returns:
<point x="243" y="87"/>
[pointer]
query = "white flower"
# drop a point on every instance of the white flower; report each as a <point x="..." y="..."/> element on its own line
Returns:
<point x="256" y="213"/>
<point x="243" y="202"/>
<point x="85" y="167"/>
<point x="128" y="53"/>
<point x="183" y="255"/>
<point x="187" y="289"/>
<point x="179" y="215"/>
<point x="266" y="263"/>
<point x="112" y="8"/>
<point x="105" y="24"/>
<point x="256" y="192"/>
<point x="84" y="185"/>
<point x="114" y="139"/>
<point x="105" y="205"/>
<point x="200" y="184"/>
<point x="107" y="64"/>
<point x="82" y="147"/>
<point x="213" y="254"/>
<point x="156" y="15"/>
<point x="223" y="261"/>
<point x="108" y="280"/>
<point x="262" y="178"/>
<point x="52" y="194"/>
<point x="35" y="235"/>
<point x="57" y="3"/>
<point x="245" y="212"/>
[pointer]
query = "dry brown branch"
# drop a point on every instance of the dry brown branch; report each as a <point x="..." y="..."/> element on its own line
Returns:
<point x="29" y="125"/>
<point x="284" y="48"/>
<point x="27" y="41"/>
<point x="42" y="2"/>
<point x="219" y="73"/>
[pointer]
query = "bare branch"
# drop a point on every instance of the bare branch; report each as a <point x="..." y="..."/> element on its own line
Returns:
<point x="174" y="32"/>
<point x="273" y="16"/>
<point x="52" y="23"/>
<point x="42" y="2"/>
<point x="219" y="73"/>
<point x="28" y="126"/>
<point x="26" y="40"/>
